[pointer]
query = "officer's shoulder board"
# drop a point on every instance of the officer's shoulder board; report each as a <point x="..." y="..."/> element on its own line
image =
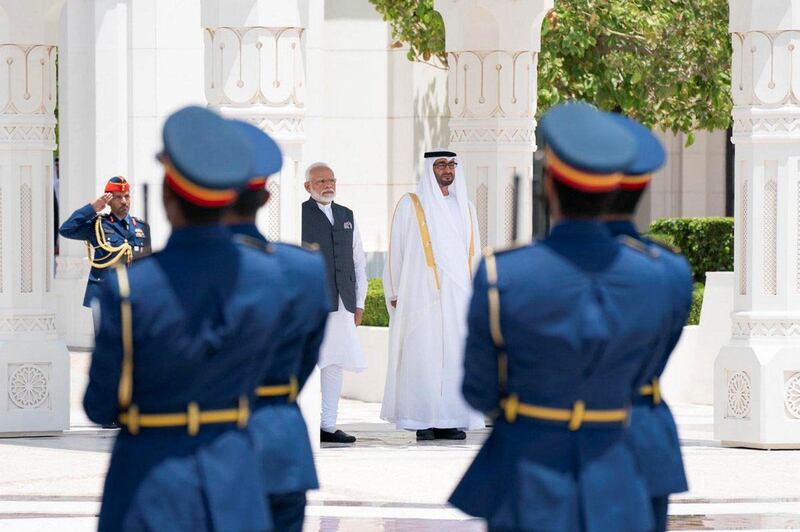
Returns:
<point x="664" y="245"/>
<point x="638" y="245"/>
<point x="254" y="243"/>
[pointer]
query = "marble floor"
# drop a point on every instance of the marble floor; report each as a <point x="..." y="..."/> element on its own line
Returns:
<point x="389" y="482"/>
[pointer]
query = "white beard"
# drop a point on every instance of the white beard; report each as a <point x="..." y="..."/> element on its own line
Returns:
<point x="323" y="198"/>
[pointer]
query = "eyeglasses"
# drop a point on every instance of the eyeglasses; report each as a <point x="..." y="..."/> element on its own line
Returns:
<point x="324" y="182"/>
<point x="442" y="166"/>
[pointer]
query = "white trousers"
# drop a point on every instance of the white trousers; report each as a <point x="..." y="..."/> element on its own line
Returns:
<point x="331" y="384"/>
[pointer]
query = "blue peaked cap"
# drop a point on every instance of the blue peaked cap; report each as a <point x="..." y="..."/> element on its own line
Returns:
<point x="586" y="139"/>
<point x="650" y="155"/>
<point x="267" y="156"/>
<point x="206" y="149"/>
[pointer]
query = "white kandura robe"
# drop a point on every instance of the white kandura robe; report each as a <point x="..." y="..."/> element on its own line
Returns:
<point x="341" y="346"/>
<point x="428" y="328"/>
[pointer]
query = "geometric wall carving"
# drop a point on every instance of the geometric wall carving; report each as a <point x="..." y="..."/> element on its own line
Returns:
<point x="477" y="135"/>
<point x="28" y="385"/>
<point x="739" y="395"/>
<point x="273" y="208"/>
<point x="770" y="236"/>
<point x="791" y="395"/>
<point x="509" y="213"/>
<point x="20" y="324"/>
<point x="482" y="206"/>
<point x="26" y="236"/>
<point x="747" y="327"/>
<point x="743" y="235"/>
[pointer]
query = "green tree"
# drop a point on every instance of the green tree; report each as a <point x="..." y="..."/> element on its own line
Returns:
<point x="664" y="62"/>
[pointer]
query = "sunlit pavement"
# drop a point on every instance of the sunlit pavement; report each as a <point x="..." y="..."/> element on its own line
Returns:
<point x="389" y="482"/>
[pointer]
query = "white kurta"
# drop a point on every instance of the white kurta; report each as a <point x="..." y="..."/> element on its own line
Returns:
<point x="428" y="327"/>
<point x="340" y="345"/>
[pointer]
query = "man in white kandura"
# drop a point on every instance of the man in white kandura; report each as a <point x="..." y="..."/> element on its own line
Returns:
<point x="332" y="227"/>
<point x="433" y="252"/>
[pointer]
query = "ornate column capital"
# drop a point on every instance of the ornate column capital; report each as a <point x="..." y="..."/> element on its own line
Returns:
<point x="27" y="96"/>
<point x="492" y="97"/>
<point x="257" y="73"/>
<point x="765" y="88"/>
<point x="493" y="24"/>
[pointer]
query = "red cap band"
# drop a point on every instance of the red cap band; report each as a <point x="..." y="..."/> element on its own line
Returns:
<point x="117" y="186"/>
<point x="194" y="193"/>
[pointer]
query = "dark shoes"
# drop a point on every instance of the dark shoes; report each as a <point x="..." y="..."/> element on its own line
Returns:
<point x="441" y="434"/>
<point x="425" y="435"/>
<point x="113" y="425"/>
<point x="335" y="437"/>
<point x="449" y="434"/>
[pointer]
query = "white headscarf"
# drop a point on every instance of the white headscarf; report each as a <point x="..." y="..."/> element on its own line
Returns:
<point x="450" y="238"/>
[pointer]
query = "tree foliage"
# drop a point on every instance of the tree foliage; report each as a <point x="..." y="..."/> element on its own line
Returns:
<point x="664" y="62"/>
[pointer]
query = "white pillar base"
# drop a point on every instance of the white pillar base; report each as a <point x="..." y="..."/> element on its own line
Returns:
<point x="714" y="333"/>
<point x="34" y="382"/>
<point x="757" y="395"/>
<point x="74" y="320"/>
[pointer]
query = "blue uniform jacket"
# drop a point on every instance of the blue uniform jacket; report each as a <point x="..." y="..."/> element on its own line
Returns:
<point x="205" y="313"/>
<point x="652" y="433"/>
<point x="80" y="226"/>
<point x="277" y="426"/>
<point x="572" y="308"/>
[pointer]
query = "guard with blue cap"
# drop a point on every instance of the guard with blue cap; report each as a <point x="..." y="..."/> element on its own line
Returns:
<point x="277" y="425"/>
<point x="551" y="330"/>
<point x="183" y="336"/>
<point x="111" y="238"/>
<point x="652" y="433"/>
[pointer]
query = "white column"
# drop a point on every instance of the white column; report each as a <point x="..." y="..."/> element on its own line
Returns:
<point x="757" y="374"/>
<point x="34" y="364"/>
<point x="255" y="71"/>
<point x="493" y="48"/>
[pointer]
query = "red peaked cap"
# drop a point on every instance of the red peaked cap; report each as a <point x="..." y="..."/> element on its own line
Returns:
<point x="117" y="184"/>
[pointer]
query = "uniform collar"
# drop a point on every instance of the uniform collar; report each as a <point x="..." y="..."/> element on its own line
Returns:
<point x="248" y="230"/>
<point x="196" y="233"/>
<point x="623" y="227"/>
<point x="114" y="219"/>
<point x="571" y="228"/>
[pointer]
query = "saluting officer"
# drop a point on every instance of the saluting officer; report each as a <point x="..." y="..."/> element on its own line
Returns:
<point x="277" y="426"/>
<point x="111" y="238"/>
<point x="183" y="336"/>
<point x="652" y="432"/>
<point x="559" y="333"/>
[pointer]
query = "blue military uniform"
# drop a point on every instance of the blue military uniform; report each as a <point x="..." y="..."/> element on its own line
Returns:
<point x="182" y="339"/>
<point x="111" y="241"/>
<point x="551" y="331"/>
<point x="277" y="426"/>
<point x="652" y="432"/>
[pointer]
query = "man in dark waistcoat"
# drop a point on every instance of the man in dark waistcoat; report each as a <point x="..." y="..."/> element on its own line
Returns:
<point x="332" y="228"/>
